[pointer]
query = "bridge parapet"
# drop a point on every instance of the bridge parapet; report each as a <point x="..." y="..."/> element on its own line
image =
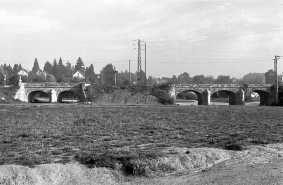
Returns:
<point x="215" y="85"/>
<point x="207" y="85"/>
<point x="51" y="84"/>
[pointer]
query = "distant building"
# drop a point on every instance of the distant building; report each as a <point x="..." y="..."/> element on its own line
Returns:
<point x="22" y="72"/>
<point x="78" y="74"/>
<point x="159" y="81"/>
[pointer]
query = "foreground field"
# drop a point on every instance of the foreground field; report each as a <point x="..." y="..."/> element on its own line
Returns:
<point x="34" y="134"/>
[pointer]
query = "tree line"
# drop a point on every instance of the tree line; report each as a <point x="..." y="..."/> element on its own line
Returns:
<point x="60" y="72"/>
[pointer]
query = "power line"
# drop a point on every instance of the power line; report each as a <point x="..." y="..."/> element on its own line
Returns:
<point x="206" y="59"/>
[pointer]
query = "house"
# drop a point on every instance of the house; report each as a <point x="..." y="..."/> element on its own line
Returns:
<point x="159" y="81"/>
<point x="23" y="72"/>
<point x="78" y="74"/>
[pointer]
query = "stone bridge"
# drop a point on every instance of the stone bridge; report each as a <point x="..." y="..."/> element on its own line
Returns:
<point x="55" y="91"/>
<point x="235" y="92"/>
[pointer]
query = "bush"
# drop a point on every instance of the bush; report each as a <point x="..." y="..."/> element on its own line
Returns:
<point x="233" y="146"/>
<point x="128" y="162"/>
<point x="167" y="99"/>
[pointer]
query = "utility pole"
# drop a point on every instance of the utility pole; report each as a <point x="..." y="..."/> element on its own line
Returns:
<point x="139" y="80"/>
<point x="139" y="63"/>
<point x="130" y="71"/>
<point x="4" y="80"/>
<point x="276" y="79"/>
<point x="145" y="83"/>
<point x="145" y="63"/>
<point x="115" y="74"/>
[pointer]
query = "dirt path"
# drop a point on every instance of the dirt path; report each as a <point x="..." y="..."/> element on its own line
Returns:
<point x="255" y="166"/>
<point x="264" y="174"/>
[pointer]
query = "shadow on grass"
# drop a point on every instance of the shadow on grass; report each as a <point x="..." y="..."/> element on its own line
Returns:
<point x="231" y="142"/>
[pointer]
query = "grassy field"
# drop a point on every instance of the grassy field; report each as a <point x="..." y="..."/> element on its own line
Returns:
<point x="33" y="134"/>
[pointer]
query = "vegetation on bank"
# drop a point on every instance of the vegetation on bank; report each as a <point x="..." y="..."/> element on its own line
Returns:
<point x="117" y="136"/>
<point x="7" y="94"/>
<point x="129" y="94"/>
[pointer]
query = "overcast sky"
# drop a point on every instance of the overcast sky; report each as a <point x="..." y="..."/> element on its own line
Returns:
<point x="199" y="37"/>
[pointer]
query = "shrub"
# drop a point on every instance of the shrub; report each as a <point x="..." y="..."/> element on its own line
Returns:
<point x="167" y="99"/>
<point x="128" y="162"/>
<point x="233" y="146"/>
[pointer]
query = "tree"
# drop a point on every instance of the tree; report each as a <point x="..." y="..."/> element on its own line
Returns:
<point x="108" y="74"/>
<point x="2" y="75"/>
<point x="270" y="77"/>
<point x="174" y="80"/>
<point x="142" y="75"/>
<point x="50" y="78"/>
<point x="35" y="67"/>
<point x="31" y="76"/>
<point x="90" y="72"/>
<point x="184" y="78"/>
<point x="48" y="67"/>
<point x="26" y="79"/>
<point x="55" y="69"/>
<point x="9" y="70"/>
<point x="69" y="70"/>
<point x="16" y="69"/>
<point x="75" y="80"/>
<point x="198" y="79"/>
<point x="80" y="65"/>
<point x="223" y="80"/>
<point x="39" y="78"/>
<point x="208" y="80"/>
<point x="61" y="69"/>
<point x="14" y="80"/>
<point x="254" y="78"/>
<point x="150" y="80"/>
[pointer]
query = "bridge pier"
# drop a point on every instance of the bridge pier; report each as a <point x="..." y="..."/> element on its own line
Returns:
<point x="206" y="97"/>
<point x="240" y="97"/>
<point x="52" y="96"/>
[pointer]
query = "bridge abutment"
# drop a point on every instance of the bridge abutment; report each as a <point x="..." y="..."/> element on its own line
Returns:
<point x="21" y="94"/>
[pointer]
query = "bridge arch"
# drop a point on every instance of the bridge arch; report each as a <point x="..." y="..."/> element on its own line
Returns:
<point x="265" y="97"/>
<point x="231" y="95"/>
<point x="34" y="94"/>
<point x="68" y="94"/>
<point x="199" y="95"/>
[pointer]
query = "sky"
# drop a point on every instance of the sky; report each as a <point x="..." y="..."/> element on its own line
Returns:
<point x="213" y="37"/>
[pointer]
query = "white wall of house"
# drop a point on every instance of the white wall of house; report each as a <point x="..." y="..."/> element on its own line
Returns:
<point x="22" y="73"/>
<point x="78" y="75"/>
